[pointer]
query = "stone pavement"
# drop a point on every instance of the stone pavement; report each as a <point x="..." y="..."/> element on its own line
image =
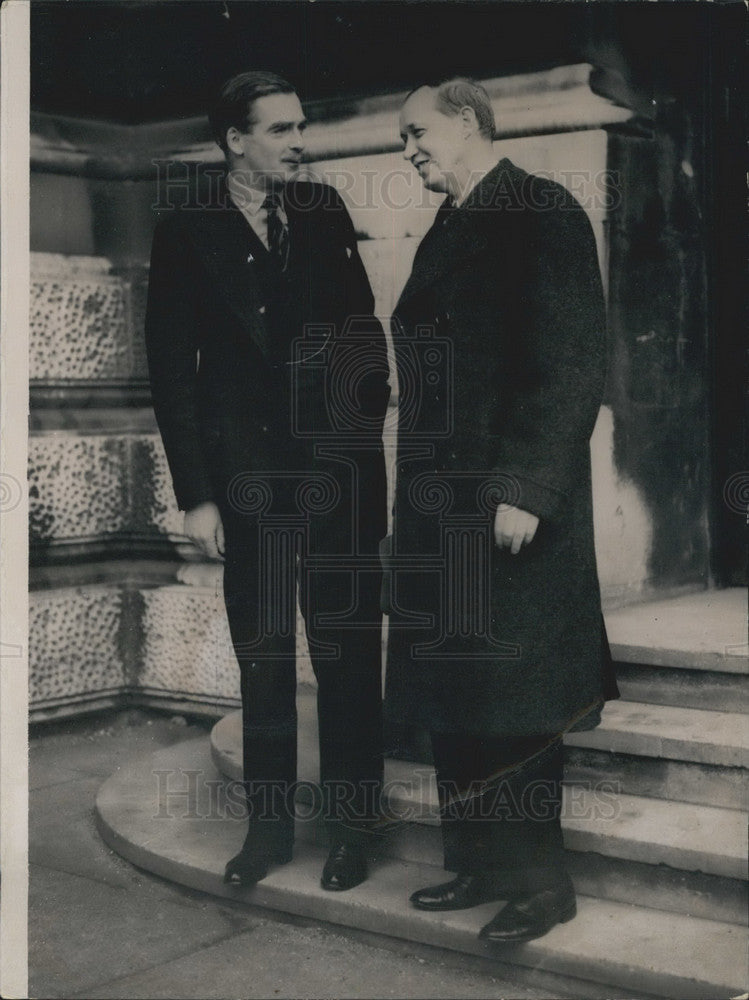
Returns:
<point x="98" y="927"/>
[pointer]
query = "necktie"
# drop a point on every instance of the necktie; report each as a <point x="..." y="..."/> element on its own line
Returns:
<point x="278" y="230"/>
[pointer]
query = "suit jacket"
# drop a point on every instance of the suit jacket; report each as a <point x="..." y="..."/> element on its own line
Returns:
<point x="501" y="351"/>
<point x="252" y="372"/>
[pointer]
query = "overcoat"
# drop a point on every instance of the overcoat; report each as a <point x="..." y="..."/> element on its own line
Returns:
<point x="292" y="378"/>
<point x="500" y="347"/>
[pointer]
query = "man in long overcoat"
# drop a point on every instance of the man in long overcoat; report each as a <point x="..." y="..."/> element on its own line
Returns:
<point x="497" y="640"/>
<point x="269" y="377"/>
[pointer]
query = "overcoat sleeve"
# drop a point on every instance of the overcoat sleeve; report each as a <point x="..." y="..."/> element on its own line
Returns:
<point x="557" y="383"/>
<point x="172" y="350"/>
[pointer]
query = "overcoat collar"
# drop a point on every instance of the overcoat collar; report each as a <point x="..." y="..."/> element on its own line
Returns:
<point x="454" y="236"/>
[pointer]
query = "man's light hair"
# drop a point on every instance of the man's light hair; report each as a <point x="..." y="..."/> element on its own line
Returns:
<point x="460" y="92"/>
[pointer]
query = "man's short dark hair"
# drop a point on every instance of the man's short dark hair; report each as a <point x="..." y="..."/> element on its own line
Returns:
<point x="234" y="104"/>
<point x="460" y="92"/>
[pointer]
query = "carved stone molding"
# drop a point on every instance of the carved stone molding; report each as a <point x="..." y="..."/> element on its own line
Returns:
<point x="555" y="100"/>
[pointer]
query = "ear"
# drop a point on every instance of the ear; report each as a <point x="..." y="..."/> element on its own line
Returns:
<point x="468" y="121"/>
<point x="234" y="141"/>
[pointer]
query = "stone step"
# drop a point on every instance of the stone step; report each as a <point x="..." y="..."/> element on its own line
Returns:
<point x="662" y="751"/>
<point x="682" y="835"/>
<point x="166" y="813"/>
<point x="704" y="631"/>
<point x="659" y="887"/>
<point x="665" y="731"/>
<point x="718" y="691"/>
<point x="653" y="777"/>
<point x="651" y="732"/>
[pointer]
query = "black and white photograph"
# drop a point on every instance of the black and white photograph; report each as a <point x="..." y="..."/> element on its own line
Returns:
<point x="383" y="469"/>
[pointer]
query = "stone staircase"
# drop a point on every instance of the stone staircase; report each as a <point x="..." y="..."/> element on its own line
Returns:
<point x="654" y="820"/>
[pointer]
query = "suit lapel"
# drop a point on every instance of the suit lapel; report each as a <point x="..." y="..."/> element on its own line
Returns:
<point x="231" y="248"/>
<point x="454" y="237"/>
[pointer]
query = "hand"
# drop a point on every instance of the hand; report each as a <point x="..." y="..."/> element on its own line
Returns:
<point x="203" y="526"/>
<point x="513" y="527"/>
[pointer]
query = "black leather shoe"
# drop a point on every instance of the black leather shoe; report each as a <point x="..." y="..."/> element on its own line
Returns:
<point x="249" y="867"/>
<point x="346" y="867"/>
<point x="245" y="869"/>
<point x="529" y="917"/>
<point x="462" y="893"/>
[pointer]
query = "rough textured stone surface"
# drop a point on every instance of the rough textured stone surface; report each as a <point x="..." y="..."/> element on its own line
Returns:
<point x="681" y="835"/>
<point x="137" y="278"/>
<point x="77" y="486"/>
<point x="187" y="645"/>
<point x="171" y="641"/>
<point x="86" y="321"/>
<point x="76" y="643"/>
<point x="79" y="329"/>
<point x="153" y="506"/>
<point x="187" y="648"/>
<point x="88" y="487"/>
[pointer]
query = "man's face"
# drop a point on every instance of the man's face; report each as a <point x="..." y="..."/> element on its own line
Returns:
<point x="270" y="153"/>
<point x="433" y="141"/>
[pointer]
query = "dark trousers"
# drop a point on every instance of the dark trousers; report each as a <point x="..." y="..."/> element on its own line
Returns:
<point x="500" y="803"/>
<point x="343" y="625"/>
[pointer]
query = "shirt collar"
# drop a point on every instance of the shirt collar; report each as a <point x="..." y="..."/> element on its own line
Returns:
<point x="247" y="199"/>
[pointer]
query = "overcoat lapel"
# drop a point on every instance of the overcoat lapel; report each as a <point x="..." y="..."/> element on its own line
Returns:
<point x="454" y="237"/>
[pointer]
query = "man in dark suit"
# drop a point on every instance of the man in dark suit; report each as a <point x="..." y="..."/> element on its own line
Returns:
<point x="497" y="644"/>
<point x="269" y="379"/>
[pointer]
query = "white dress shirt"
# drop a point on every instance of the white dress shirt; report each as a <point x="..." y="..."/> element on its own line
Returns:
<point x="250" y="202"/>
